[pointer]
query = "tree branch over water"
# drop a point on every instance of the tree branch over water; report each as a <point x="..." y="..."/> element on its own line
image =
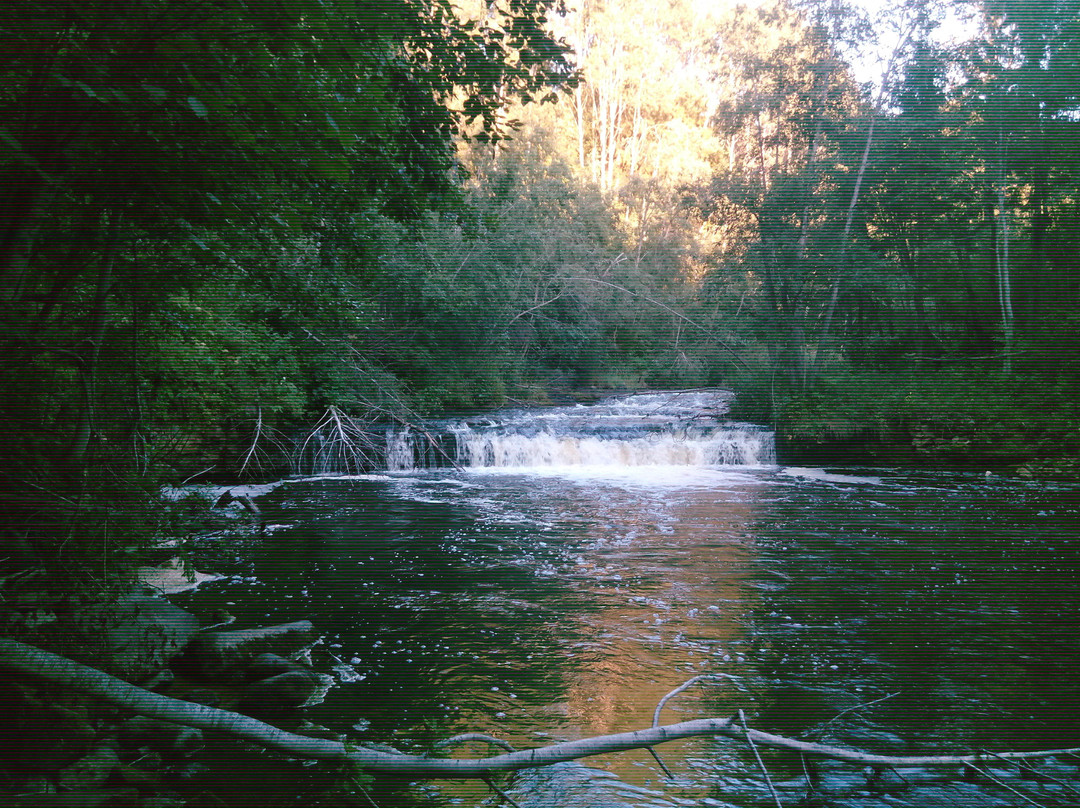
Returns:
<point x="26" y="659"/>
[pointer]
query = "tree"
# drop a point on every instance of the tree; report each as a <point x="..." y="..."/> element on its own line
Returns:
<point x="158" y="154"/>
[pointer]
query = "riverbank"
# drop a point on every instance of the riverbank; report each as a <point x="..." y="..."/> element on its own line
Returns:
<point x="947" y="419"/>
<point x="62" y="749"/>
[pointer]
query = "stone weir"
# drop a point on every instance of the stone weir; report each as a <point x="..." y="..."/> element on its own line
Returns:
<point x="680" y="428"/>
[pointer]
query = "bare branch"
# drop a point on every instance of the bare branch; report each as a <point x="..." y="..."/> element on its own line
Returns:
<point x="760" y="762"/>
<point x="196" y="474"/>
<point x="660" y="706"/>
<point x="29" y="660"/>
<point x="1035" y="772"/>
<point x="521" y="314"/>
<point x="818" y="730"/>
<point x="502" y="794"/>
<point x="684" y="686"/>
<point x="465" y="737"/>
<point x="670" y="310"/>
<point x="1003" y="785"/>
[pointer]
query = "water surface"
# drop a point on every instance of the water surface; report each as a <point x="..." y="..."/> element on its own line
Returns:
<point x="559" y="602"/>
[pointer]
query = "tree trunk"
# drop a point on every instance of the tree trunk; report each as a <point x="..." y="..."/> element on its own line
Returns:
<point x="1001" y="255"/>
<point x="1004" y="281"/>
<point x="28" y="660"/>
<point x="842" y="259"/>
<point x="76" y="455"/>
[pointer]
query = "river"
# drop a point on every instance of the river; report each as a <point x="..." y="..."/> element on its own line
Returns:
<point x="564" y="598"/>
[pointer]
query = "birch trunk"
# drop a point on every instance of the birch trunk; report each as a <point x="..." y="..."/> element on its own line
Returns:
<point x="25" y="659"/>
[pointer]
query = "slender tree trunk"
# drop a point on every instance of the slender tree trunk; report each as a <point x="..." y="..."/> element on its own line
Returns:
<point x="763" y="172"/>
<point x="810" y="176"/>
<point x="1001" y="254"/>
<point x="637" y="135"/>
<point x="1004" y="281"/>
<point x="834" y="294"/>
<point x="76" y="456"/>
<point x="579" y="118"/>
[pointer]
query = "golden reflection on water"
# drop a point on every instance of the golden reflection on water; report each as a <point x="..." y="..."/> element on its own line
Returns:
<point x="677" y="612"/>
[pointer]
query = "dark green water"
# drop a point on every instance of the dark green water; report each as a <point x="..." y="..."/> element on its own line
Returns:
<point x="539" y="607"/>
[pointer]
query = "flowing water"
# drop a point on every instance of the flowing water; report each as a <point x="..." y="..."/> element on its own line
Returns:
<point x="586" y="561"/>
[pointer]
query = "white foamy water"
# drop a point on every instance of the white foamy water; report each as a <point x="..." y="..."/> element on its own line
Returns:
<point x="637" y="477"/>
<point x="730" y="447"/>
<point x="681" y="428"/>
<point x="827" y="477"/>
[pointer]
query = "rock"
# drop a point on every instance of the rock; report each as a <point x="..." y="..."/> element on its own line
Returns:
<point x="164" y="737"/>
<point x="222" y="655"/>
<point x="200" y="695"/>
<point x="173" y="576"/>
<point x="89" y="772"/>
<point x="161" y="802"/>
<point x="228" y="497"/>
<point x="266" y="665"/>
<point x="205" y="799"/>
<point x="141" y="634"/>
<point x="289" y="689"/>
<point x="138" y="778"/>
<point x="43" y="738"/>
<point x="37" y="784"/>
<point x="192" y="771"/>
<point x="160" y="680"/>
<point x="113" y="798"/>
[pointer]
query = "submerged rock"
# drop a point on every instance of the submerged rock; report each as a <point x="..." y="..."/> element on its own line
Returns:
<point x="139" y="778"/>
<point x="224" y="655"/>
<point x="266" y="665"/>
<point x="113" y="798"/>
<point x="140" y="634"/>
<point x="289" y="689"/>
<point x="43" y="737"/>
<point x="89" y="772"/>
<point x="164" y="737"/>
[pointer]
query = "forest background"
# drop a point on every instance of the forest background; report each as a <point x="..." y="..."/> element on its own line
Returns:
<point x="227" y="225"/>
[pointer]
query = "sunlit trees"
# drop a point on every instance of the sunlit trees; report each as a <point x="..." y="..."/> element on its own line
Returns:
<point x="193" y="195"/>
<point x="785" y="104"/>
<point x="215" y="216"/>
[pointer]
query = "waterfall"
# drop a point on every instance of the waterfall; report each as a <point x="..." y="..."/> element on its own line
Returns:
<point x="681" y="428"/>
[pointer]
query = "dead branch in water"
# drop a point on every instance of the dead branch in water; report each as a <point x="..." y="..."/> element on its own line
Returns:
<point x="28" y="660"/>
<point x="258" y="455"/>
<point x="339" y="443"/>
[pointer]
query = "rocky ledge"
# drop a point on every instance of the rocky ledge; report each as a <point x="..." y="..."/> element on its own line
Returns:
<point x="62" y="750"/>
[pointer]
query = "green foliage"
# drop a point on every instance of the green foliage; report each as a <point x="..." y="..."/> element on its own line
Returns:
<point x="970" y="416"/>
<point x="197" y="208"/>
<point x="220" y="224"/>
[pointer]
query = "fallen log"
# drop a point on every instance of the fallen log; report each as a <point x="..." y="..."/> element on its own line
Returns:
<point x="32" y="661"/>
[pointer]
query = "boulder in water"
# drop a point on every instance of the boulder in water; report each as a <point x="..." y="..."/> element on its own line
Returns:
<point x="164" y="737"/>
<point x="289" y="689"/>
<point x="223" y="655"/>
<point x="89" y="772"/>
<point x="141" y="634"/>
<point x="266" y="665"/>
